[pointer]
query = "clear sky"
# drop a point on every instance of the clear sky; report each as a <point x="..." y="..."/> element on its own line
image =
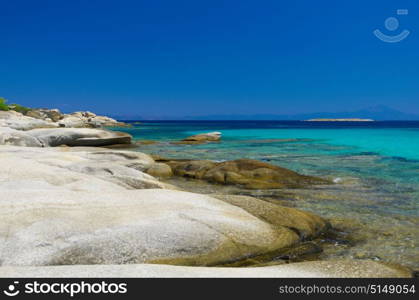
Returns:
<point x="188" y="57"/>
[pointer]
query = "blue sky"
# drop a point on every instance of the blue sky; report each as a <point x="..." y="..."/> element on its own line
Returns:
<point x="184" y="58"/>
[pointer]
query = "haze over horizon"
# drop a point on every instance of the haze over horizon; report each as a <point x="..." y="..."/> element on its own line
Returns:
<point x="378" y="113"/>
<point x="188" y="59"/>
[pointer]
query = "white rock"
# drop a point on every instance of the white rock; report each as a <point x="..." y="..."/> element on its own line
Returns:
<point x="80" y="137"/>
<point x="52" y="137"/>
<point x="75" y="206"/>
<point x="313" y="269"/>
<point x="86" y="119"/>
<point x="9" y="136"/>
<point x="16" y="120"/>
<point x="72" y="122"/>
<point x="77" y="168"/>
<point x="55" y="227"/>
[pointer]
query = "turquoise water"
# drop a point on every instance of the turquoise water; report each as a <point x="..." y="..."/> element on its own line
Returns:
<point x="383" y="150"/>
<point x="387" y="142"/>
<point x="375" y="167"/>
<point x="382" y="139"/>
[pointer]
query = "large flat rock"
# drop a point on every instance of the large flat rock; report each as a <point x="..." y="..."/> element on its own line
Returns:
<point x="75" y="169"/>
<point x="9" y="136"/>
<point x="52" y="137"/>
<point x="87" y="119"/>
<point x="80" y="137"/>
<point x="55" y="227"/>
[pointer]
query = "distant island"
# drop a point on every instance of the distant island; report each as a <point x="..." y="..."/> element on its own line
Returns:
<point x="340" y="120"/>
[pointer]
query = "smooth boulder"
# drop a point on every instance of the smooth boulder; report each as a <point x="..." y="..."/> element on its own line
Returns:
<point x="48" y="137"/>
<point x="50" y="227"/>
<point x="9" y="136"/>
<point x="160" y="170"/>
<point x="75" y="169"/>
<point x="80" y="137"/>
<point x="251" y="174"/>
<point x="306" y="224"/>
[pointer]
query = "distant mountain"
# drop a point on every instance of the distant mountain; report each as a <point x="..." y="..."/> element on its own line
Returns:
<point x="379" y="113"/>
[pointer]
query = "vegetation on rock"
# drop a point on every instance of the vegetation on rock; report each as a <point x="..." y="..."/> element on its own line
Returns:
<point x="16" y="107"/>
<point x="3" y="105"/>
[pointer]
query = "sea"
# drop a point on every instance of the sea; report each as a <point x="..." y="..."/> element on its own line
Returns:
<point x="374" y="201"/>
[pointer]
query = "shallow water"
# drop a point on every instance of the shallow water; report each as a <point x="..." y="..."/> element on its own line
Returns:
<point x="376" y="166"/>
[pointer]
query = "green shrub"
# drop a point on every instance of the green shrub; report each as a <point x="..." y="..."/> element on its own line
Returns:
<point x="19" y="108"/>
<point x="3" y="105"/>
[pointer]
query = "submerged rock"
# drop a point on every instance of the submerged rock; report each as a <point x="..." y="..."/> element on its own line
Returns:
<point x="145" y="142"/>
<point x="251" y="174"/>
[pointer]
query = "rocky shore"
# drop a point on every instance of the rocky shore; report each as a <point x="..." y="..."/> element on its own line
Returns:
<point x="70" y="208"/>
<point x="53" y="118"/>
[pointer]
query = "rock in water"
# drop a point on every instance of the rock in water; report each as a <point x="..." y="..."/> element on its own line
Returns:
<point x="210" y="136"/>
<point x="201" y="138"/>
<point x="251" y="174"/>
